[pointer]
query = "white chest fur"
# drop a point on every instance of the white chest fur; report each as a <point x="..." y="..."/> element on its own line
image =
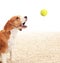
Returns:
<point x="12" y="38"/>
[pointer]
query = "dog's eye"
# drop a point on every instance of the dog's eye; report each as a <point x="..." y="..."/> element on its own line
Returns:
<point x="17" y="17"/>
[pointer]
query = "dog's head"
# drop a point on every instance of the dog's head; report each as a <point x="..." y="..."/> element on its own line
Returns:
<point x="15" y="22"/>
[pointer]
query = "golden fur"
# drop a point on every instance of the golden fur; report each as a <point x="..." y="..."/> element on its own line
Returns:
<point x="15" y="21"/>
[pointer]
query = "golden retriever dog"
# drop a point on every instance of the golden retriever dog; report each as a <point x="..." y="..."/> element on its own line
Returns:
<point x="8" y="34"/>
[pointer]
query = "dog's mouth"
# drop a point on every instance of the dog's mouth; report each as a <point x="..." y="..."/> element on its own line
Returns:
<point x="22" y="26"/>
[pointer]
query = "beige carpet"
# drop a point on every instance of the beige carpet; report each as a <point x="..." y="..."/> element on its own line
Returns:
<point x="37" y="48"/>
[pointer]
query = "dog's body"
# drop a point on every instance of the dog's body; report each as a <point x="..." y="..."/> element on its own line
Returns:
<point x="7" y="36"/>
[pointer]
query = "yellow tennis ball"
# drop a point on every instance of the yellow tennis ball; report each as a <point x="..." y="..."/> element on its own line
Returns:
<point x="43" y="12"/>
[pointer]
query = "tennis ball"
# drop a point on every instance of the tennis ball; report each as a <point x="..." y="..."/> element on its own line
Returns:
<point x="43" y="12"/>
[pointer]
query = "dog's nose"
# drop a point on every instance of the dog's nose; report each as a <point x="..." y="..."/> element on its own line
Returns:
<point x="25" y="17"/>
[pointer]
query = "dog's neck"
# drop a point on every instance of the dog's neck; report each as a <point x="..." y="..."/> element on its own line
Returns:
<point x="13" y="33"/>
<point x="10" y="34"/>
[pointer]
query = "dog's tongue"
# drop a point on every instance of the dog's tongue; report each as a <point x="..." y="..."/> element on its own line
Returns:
<point x="24" y="26"/>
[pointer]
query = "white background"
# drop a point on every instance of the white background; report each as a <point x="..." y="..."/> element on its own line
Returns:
<point x="32" y="8"/>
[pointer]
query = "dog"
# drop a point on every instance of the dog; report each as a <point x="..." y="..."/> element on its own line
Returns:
<point x="8" y="34"/>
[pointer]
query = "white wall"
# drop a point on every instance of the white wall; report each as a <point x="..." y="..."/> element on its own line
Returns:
<point x="31" y="8"/>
